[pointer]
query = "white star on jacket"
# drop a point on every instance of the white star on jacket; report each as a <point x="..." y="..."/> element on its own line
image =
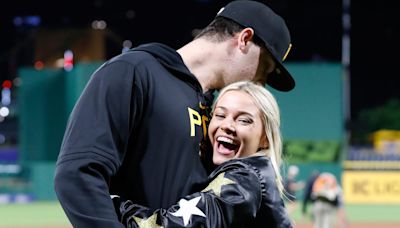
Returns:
<point x="187" y="208"/>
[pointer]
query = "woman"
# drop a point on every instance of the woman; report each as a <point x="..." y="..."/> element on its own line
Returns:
<point x="246" y="189"/>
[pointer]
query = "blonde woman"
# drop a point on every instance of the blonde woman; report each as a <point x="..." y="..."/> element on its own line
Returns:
<point x="245" y="190"/>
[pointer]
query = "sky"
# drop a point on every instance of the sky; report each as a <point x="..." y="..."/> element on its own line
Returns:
<point x="316" y="30"/>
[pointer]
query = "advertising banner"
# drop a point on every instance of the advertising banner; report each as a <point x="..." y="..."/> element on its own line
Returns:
<point x="371" y="187"/>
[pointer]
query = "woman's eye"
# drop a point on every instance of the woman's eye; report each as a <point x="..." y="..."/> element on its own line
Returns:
<point x="245" y="121"/>
<point x="219" y="115"/>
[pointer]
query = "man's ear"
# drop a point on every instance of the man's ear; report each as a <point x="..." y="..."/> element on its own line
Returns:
<point x="244" y="37"/>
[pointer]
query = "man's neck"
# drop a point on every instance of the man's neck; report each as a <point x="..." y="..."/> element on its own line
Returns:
<point x="205" y="60"/>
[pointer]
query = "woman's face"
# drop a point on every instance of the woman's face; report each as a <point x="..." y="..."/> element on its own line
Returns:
<point x="236" y="129"/>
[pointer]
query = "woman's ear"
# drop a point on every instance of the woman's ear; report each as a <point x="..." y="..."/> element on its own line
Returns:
<point x="264" y="144"/>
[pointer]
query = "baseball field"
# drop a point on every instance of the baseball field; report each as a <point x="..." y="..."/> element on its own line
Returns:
<point x="50" y="214"/>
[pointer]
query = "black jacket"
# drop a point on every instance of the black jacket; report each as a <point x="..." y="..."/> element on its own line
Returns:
<point x="135" y="132"/>
<point x="241" y="193"/>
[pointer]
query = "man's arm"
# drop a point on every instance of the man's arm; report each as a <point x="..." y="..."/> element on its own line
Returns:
<point x="82" y="190"/>
<point x="93" y="147"/>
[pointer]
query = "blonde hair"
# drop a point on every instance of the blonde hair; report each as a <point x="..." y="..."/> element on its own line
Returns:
<point x="270" y="116"/>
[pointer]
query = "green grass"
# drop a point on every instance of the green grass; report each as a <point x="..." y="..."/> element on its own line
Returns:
<point x="32" y="214"/>
<point x="50" y="214"/>
<point x="362" y="213"/>
<point x="374" y="213"/>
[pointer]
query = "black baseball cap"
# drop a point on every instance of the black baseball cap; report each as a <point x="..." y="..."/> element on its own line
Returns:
<point x="271" y="29"/>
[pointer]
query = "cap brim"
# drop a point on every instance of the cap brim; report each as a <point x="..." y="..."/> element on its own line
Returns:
<point x="280" y="79"/>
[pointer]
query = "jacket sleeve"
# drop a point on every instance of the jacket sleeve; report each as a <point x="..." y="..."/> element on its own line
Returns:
<point x="232" y="197"/>
<point x="94" y="145"/>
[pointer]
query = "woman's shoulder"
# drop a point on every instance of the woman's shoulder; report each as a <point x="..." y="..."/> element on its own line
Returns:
<point x="251" y="162"/>
<point x="262" y="165"/>
<point x="259" y="165"/>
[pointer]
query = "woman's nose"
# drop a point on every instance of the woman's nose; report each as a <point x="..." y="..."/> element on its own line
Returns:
<point x="228" y="126"/>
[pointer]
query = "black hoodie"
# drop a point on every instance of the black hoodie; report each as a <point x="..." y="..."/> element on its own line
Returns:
<point x="134" y="132"/>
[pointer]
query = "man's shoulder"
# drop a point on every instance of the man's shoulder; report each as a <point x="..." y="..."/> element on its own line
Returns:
<point x="133" y="57"/>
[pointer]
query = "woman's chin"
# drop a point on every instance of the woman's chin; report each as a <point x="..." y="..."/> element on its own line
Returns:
<point x="219" y="159"/>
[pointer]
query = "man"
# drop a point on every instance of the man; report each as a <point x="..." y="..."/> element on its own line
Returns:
<point x="328" y="205"/>
<point x="292" y="186"/>
<point x="308" y="191"/>
<point x="136" y="129"/>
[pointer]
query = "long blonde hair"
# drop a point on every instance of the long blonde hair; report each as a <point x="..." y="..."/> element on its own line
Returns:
<point x="270" y="115"/>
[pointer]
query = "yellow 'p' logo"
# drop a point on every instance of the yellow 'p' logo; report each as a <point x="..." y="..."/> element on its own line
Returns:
<point x="195" y="119"/>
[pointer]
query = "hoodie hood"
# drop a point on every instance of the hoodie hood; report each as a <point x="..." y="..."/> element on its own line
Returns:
<point x="169" y="58"/>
